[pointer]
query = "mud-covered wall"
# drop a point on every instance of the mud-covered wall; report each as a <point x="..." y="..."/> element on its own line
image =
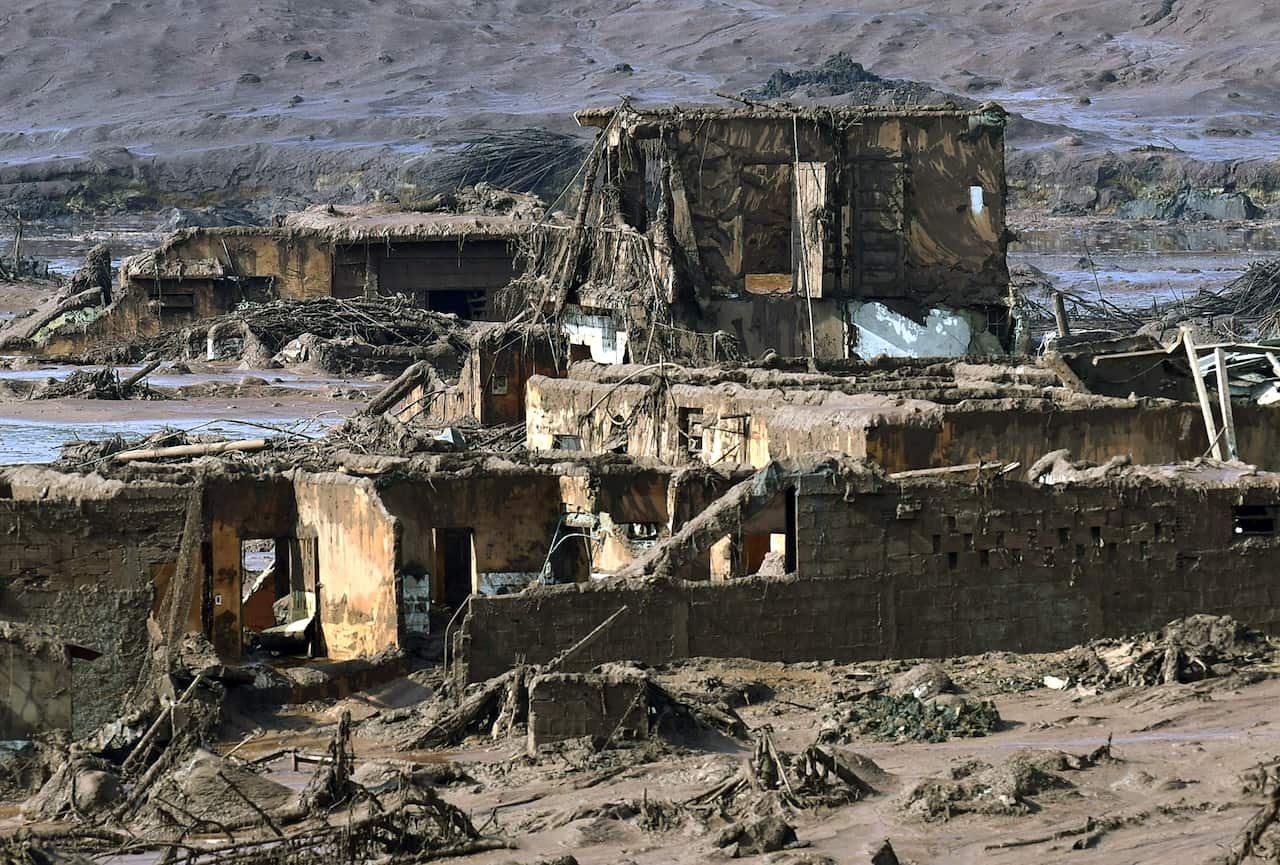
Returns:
<point x="491" y="385"/>
<point x="1151" y="432"/>
<point x="257" y="265"/>
<point x="513" y="515"/>
<point x="297" y="265"/>
<point x="756" y="425"/>
<point x="358" y="553"/>
<point x="895" y="200"/>
<point x="81" y="556"/>
<point x="925" y="569"/>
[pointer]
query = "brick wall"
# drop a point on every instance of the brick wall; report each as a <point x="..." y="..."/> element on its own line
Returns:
<point x="927" y="569"/>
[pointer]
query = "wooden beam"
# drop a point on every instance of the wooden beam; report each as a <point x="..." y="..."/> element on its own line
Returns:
<point x="1060" y="315"/>
<point x="945" y="470"/>
<point x="1126" y="355"/>
<point x="1224" y="403"/>
<point x="1202" y="393"/>
<point x="197" y="450"/>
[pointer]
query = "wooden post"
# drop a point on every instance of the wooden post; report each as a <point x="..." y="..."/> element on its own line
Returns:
<point x="1060" y="314"/>
<point x="1206" y="408"/>
<point x="1224" y="403"/>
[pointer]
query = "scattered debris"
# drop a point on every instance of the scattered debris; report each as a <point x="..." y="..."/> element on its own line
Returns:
<point x="1185" y="650"/>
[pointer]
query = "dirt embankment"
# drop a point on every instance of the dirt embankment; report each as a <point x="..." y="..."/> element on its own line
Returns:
<point x="186" y="103"/>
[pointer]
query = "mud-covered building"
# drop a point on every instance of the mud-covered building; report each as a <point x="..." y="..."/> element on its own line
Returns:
<point x="829" y="232"/>
<point x="902" y="413"/>
<point x="361" y="555"/>
<point x="452" y="257"/>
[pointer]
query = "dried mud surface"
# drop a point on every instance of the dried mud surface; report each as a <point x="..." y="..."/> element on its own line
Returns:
<point x="1180" y="783"/>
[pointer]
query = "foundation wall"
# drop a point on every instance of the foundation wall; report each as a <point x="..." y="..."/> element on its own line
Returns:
<point x="926" y="570"/>
<point x="82" y="556"/>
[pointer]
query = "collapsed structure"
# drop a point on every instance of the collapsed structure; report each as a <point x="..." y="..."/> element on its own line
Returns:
<point x="826" y="233"/>
<point x="867" y="487"/>
<point x="450" y="255"/>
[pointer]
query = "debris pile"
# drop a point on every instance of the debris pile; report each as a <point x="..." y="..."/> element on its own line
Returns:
<point x="497" y="707"/>
<point x="919" y="706"/>
<point x="102" y="383"/>
<point x="815" y="777"/>
<point x="1247" y="308"/>
<point x="977" y="787"/>
<point x="1185" y="650"/>
<point x="334" y="335"/>
<point x="907" y="718"/>
<point x="178" y="792"/>
<point x="484" y="199"/>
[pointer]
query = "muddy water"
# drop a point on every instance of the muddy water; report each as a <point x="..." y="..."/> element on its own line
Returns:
<point x="64" y="242"/>
<point x="34" y="431"/>
<point x="40" y="441"/>
<point x="216" y="374"/>
<point x="1132" y="264"/>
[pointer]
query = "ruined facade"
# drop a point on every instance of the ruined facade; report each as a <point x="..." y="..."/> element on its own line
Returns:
<point x="360" y="558"/>
<point x="906" y="414"/>
<point x="831" y="233"/>
<point x="917" y="567"/>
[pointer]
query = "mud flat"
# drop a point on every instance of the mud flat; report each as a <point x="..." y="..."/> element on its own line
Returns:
<point x="1131" y="262"/>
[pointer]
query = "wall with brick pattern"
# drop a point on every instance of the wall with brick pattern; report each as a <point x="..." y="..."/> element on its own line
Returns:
<point x="927" y="568"/>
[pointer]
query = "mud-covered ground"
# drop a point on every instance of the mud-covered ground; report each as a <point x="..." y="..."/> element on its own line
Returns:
<point x="1179" y="786"/>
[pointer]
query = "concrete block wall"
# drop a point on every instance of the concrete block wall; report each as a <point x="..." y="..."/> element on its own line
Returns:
<point x="924" y="570"/>
<point x="569" y="706"/>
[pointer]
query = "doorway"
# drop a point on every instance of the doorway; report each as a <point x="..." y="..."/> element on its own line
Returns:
<point x="455" y="562"/>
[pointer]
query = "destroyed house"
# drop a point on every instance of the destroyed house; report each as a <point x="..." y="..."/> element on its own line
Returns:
<point x="826" y="232"/>
<point x="451" y="262"/>
<point x="902" y="413"/>
<point x="358" y="558"/>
